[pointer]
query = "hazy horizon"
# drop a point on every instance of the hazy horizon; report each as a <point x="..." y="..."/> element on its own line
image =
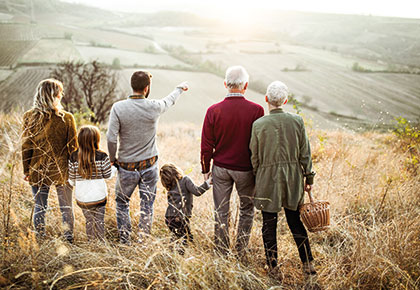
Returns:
<point x="247" y="9"/>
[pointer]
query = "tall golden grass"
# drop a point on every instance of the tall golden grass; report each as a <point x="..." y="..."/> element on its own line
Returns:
<point x="373" y="242"/>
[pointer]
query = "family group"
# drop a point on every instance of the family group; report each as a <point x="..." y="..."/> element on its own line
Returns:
<point x="266" y="157"/>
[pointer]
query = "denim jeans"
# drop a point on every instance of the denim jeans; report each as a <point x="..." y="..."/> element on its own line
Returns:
<point x="223" y="180"/>
<point x="127" y="182"/>
<point x="64" y="194"/>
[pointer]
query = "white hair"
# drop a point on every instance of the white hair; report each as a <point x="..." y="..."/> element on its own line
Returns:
<point x="277" y="93"/>
<point x="236" y="77"/>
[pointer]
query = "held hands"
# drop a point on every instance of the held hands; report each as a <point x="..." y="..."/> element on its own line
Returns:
<point x="183" y="86"/>
<point x="26" y="178"/>
<point x="308" y="187"/>
<point x="207" y="176"/>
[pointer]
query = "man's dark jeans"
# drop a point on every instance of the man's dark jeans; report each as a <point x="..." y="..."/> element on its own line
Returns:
<point x="269" y="233"/>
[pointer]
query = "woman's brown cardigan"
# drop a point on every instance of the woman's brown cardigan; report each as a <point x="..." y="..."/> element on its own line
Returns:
<point x="45" y="153"/>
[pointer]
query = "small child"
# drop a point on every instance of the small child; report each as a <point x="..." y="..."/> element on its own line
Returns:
<point x="180" y="200"/>
<point x="88" y="169"/>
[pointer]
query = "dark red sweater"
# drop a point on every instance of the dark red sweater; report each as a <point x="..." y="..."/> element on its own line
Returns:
<point x="227" y="132"/>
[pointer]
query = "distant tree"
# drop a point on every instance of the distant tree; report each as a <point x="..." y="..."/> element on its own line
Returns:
<point x="116" y="63"/>
<point x="358" y="68"/>
<point x="68" y="35"/>
<point x="89" y="87"/>
<point x="150" y="49"/>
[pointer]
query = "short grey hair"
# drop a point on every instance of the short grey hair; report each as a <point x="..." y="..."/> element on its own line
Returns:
<point x="236" y="77"/>
<point x="277" y="93"/>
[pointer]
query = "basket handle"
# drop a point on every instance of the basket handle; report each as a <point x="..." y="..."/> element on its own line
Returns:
<point x="311" y="199"/>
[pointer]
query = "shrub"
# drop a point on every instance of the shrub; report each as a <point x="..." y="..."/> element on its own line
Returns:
<point x="409" y="139"/>
<point x="358" y="68"/>
<point x="116" y="64"/>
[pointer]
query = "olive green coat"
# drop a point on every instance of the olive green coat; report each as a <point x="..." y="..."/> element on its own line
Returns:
<point x="281" y="158"/>
<point x="46" y="149"/>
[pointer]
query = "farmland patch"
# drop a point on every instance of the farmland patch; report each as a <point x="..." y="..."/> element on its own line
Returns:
<point x="247" y="46"/>
<point x="12" y="50"/>
<point x="5" y="16"/>
<point x="28" y="32"/>
<point x="19" y="89"/>
<point x="205" y="90"/>
<point x="174" y="36"/>
<point x="51" y="51"/>
<point x="330" y="86"/>
<point x="128" y="58"/>
<point x="4" y="74"/>
<point x="117" y="40"/>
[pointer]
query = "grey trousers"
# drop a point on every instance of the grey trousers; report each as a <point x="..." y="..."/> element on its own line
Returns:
<point x="223" y="181"/>
<point x="95" y="222"/>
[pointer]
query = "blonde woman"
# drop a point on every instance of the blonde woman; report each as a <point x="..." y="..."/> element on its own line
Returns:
<point x="49" y="136"/>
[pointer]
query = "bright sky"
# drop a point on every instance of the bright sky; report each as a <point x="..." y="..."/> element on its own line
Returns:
<point x="222" y="8"/>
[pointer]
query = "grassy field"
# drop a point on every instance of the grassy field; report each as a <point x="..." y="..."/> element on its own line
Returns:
<point x="373" y="242"/>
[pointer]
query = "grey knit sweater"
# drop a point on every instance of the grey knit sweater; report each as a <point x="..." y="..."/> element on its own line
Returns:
<point x="134" y="122"/>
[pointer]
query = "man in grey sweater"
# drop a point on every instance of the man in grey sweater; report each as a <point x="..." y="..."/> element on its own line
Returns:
<point x="134" y="121"/>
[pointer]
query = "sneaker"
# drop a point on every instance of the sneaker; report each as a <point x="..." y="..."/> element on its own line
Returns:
<point x="308" y="268"/>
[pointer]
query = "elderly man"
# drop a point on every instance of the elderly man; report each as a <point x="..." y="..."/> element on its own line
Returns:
<point x="225" y="139"/>
<point x="134" y="122"/>
<point x="281" y="158"/>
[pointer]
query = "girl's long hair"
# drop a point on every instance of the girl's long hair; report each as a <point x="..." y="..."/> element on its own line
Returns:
<point x="89" y="138"/>
<point x="170" y="174"/>
<point x="46" y="103"/>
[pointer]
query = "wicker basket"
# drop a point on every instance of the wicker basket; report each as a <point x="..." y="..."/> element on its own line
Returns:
<point x="315" y="214"/>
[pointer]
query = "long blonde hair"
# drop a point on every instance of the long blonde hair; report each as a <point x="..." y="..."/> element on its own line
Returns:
<point x="46" y="101"/>
<point x="88" y="138"/>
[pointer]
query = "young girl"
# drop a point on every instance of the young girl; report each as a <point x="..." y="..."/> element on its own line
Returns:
<point x="88" y="167"/>
<point x="180" y="200"/>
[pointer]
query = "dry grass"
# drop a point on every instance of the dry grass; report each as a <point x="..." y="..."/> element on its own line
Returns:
<point x="373" y="243"/>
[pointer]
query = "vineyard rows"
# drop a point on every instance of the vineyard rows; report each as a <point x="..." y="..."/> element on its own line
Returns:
<point x="11" y="51"/>
<point x="21" y="32"/>
<point x="20" y="87"/>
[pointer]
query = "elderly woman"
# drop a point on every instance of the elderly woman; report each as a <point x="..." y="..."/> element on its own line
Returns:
<point x="49" y="136"/>
<point x="281" y="159"/>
